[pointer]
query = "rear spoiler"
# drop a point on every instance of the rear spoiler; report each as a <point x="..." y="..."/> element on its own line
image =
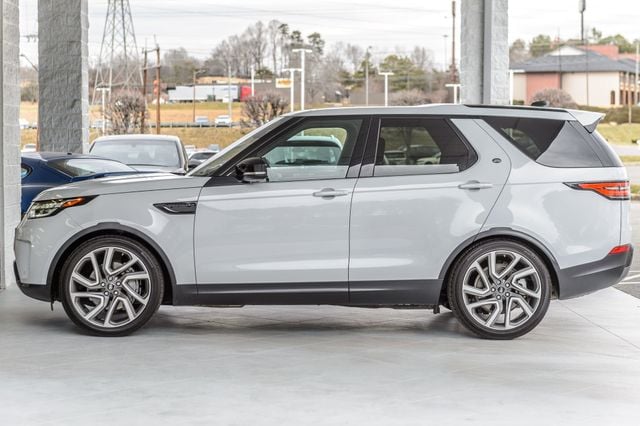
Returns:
<point x="588" y="119"/>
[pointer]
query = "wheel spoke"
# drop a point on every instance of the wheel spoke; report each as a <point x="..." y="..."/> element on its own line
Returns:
<point x="128" y="307"/>
<point x="481" y="273"/>
<point x="135" y="294"/>
<point x="492" y="265"/>
<point x="83" y="280"/>
<point x="523" y="289"/>
<point x="523" y="304"/>
<point x="96" y="267"/>
<point x="112" y="308"/>
<point x="523" y="273"/>
<point x="97" y="309"/>
<point x="108" y="260"/>
<point x="484" y="302"/>
<point x="509" y="268"/>
<point x="124" y="267"/>
<point x="135" y="276"/>
<point x="494" y="315"/>
<point x="475" y="291"/>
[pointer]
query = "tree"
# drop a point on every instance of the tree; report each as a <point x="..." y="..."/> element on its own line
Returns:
<point x="518" y="52"/>
<point x="255" y="38"/>
<point x="178" y="66"/>
<point x="540" y="45"/>
<point x="624" y="45"/>
<point x="125" y="112"/>
<point x="406" y="74"/>
<point x="264" y="108"/>
<point x="29" y="93"/>
<point x="273" y="28"/>
<point x="556" y="98"/>
<point x="316" y="42"/>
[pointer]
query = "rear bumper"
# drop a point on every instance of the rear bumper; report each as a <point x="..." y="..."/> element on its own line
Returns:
<point x="583" y="279"/>
<point x="39" y="292"/>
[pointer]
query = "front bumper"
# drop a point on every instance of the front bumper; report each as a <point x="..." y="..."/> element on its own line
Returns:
<point x="584" y="279"/>
<point x="39" y="292"/>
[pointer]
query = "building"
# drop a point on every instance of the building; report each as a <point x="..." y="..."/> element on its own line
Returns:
<point x="596" y="76"/>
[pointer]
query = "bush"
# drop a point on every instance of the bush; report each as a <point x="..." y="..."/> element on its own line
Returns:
<point x="263" y="108"/>
<point x="556" y="98"/>
<point x="125" y="112"/>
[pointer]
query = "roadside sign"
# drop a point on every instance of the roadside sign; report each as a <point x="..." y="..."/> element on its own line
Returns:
<point x="283" y="83"/>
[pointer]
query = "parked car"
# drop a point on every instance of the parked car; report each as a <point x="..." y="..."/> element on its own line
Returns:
<point x="23" y="123"/>
<point x="153" y="153"/>
<point x="40" y="171"/>
<point x="525" y="204"/>
<point x="190" y="149"/>
<point x="201" y="119"/>
<point x="223" y="121"/>
<point x="199" y="157"/>
<point x="29" y="147"/>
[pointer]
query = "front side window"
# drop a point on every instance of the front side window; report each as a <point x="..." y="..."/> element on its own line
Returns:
<point x="420" y="146"/>
<point x="315" y="149"/>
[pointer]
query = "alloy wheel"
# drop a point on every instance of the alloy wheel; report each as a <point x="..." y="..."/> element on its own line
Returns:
<point x="501" y="290"/>
<point x="109" y="287"/>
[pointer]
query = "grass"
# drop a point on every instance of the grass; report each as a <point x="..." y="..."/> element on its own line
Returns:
<point x="635" y="188"/>
<point x="620" y="134"/>
<point x="630" y="159"/>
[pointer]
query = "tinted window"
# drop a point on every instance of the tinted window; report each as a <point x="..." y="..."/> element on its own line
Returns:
<point x="88" y="166"/>
<point x="420" y="146"/>
<point x="315" y="149"/>
<point x="554" y="143"/>
<point x="140" y="152"/>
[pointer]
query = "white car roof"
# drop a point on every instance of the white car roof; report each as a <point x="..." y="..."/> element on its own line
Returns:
<point x="137" y="137"/>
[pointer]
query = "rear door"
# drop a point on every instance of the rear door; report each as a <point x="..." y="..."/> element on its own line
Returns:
<point x="427" y="185"/>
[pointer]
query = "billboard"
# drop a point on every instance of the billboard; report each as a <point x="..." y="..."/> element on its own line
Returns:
<point x="283" y="83"/>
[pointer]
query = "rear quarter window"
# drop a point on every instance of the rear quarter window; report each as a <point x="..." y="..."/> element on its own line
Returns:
<point x="553" y="143"/>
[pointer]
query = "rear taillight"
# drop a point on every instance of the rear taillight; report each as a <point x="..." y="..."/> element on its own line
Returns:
<point x="621" y="249"/>
<point x="613" y="190"/>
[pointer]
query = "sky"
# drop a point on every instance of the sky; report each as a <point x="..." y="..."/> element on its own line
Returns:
<point x="386" y="26"/>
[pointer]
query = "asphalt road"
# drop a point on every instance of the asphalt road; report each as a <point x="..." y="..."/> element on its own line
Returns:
<point x="631" y="284"/>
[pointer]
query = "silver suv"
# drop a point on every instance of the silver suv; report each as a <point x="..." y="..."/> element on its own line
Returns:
<point x="487" y="211"/>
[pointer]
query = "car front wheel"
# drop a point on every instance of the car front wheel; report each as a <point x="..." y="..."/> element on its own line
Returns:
<point x="111" y="286"/>
<point x="500" y="289"/>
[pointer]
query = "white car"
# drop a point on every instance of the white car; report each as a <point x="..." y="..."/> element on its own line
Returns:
<point x="223" y="121"/>
<point x="29" y="147"/>
<point x="146" y="153"/>
<point x="24" y="124"/>
<point x="523" y="205"/>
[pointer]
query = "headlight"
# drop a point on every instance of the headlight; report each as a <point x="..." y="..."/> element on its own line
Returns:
<point x="48" y="208"/>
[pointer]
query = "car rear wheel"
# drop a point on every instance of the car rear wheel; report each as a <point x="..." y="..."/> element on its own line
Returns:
<point x="500" y="289"/>
<point x="111" y="286"/>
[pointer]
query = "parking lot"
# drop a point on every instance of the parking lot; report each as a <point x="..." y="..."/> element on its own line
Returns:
<point x="325" y="365"/>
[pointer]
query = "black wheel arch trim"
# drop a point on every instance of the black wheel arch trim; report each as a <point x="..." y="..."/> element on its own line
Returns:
<point x="102" y="229"/>
<point x="503" y="232"/>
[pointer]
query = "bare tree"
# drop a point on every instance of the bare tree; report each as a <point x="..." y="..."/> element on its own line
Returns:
<point x="256" y="40"/>
<point x="263" y="108"/>
<point x="408" y="97"/>
<point x="274" y="35"/>
<point x="125" y="112"/>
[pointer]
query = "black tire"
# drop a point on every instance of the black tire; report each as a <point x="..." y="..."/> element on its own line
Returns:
<point x="154" y="286"/>
<point x="456" y="296"/>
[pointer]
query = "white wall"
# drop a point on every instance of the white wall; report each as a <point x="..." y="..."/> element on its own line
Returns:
<point x="600" y="86"/>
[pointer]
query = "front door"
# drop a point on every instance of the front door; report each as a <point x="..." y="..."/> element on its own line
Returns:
<point x="285" y="240"/>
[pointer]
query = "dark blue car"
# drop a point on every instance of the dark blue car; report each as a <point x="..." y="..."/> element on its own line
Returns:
<point x="44" y="170"/>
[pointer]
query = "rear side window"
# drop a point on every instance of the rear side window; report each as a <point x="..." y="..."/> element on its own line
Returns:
<point x="409" y="146"/>
<point x="553" y="143"/>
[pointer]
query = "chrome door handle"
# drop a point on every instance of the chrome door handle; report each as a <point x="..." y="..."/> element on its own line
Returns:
<point x="474" y="184"/>
<point x="330" y="193"/>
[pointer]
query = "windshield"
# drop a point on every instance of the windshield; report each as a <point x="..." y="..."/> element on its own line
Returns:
<point x="149" y="152"/>
<point x="209" y="167"/>
<point x="76" y="167"/>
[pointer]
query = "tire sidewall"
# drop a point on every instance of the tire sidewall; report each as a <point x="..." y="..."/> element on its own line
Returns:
<point x="156" y="283"/>
<point x="456" y="298"/>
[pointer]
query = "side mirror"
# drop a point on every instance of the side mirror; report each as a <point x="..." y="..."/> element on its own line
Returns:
<point x="252" y="170"/>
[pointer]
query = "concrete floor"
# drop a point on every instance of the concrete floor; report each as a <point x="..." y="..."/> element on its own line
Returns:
<point x="321" y="365"/>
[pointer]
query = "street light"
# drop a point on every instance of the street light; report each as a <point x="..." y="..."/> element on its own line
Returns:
<point x="386" y="87"/>
<point x="195" y="74"/>
<point x="366" y="76"/>
<point x="302" y="52"/>
<point x="292" y="79"/>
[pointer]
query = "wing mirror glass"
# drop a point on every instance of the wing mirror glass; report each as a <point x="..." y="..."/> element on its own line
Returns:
<point x="252" y="170"/>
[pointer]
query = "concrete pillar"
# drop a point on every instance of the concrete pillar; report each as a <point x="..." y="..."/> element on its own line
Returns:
<point x="484" y="62"/>
<point x="10" y="144"/>
<point x="63" y="110"/>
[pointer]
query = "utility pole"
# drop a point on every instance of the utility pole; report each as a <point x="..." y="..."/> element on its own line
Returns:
<point x="366" y="77"/>
<point x="195" y="75"/>
<point x="292" y="79"/>
<point x="159" y="89"/>
<point x="104" y="105"/>
<point x="386" y="87"/>
<point x="453" y="42"/>
<point x="253" y="80"/>
<point x="229" y="97"/>
<point x="302" y="52"/>
<point x="145" y="76"/>
<point x="444" y="63"/>
<point x="582" y="6"/>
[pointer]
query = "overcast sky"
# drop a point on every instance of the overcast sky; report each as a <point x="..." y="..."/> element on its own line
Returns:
<point x="387" y="26"/>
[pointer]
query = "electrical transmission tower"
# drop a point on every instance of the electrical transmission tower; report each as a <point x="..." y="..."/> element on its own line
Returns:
<point x="119" y="65"/>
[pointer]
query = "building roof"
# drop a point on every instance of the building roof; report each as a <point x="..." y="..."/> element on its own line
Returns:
<point x="574" y="60"/>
